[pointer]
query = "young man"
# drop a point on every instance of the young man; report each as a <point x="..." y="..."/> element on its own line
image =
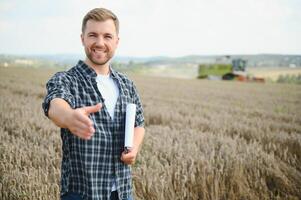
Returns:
<point x="89" y="102"/>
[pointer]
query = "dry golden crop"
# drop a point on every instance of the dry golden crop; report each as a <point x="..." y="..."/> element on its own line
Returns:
<point x="204" y="139"/>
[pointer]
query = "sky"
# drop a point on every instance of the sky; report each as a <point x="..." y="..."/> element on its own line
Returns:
<point x="156" y="27"/>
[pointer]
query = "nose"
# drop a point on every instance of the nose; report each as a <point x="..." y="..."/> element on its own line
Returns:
<point x="100" y="41"/>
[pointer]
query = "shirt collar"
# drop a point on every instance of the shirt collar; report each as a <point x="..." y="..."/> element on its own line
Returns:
<point x="85" y="69"/>
<point x="113" y="73"/>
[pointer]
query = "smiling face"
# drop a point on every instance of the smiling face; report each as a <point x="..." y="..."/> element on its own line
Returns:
<point x="100" y="41"/>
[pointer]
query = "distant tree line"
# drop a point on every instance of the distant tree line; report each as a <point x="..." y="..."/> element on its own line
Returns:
<point x="294" y="79"/>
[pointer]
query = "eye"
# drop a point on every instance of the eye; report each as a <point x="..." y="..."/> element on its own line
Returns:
<point x="108" y="36"/>
<point x="91" y="35"/>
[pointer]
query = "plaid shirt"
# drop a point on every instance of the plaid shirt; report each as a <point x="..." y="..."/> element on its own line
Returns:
<point x="88" y="166"/>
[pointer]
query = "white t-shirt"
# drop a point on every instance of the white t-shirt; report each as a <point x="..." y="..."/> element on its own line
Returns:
<point x="110" y="92"/>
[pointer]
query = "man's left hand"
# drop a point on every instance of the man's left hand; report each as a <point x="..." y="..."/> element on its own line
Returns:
<point x="129" y="157"/>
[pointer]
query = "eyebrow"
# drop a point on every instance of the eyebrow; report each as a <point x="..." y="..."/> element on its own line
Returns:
<point x="92" y="32"/>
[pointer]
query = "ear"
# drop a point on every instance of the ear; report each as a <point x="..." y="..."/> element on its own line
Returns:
<point x="82" y="38"/>
<point x="117" y="41"/>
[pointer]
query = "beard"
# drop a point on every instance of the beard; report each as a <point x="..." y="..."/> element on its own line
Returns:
<point x="97" y="59"/>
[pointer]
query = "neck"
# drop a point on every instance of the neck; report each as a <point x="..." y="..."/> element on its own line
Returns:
<point x="99" y="69"/>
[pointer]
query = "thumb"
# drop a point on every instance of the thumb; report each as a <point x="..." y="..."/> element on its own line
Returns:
<point x="92" y="109"/>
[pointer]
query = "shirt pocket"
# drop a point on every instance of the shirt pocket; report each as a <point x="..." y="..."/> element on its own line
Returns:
<point x="126" y="97"/>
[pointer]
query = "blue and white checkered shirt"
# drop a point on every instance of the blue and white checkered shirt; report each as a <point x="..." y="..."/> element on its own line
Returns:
<point x="88" y="166"/>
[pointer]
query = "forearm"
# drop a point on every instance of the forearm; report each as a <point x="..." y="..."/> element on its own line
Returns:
<point x="58" y="111"/>
<point x="138" y="137"/>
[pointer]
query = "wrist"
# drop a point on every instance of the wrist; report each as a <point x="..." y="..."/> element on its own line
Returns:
<point x="66" y="118"/>
<point x="135" y="149"/>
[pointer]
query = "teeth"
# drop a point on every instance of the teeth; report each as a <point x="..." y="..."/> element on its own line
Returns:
<point x="97" y="50"/>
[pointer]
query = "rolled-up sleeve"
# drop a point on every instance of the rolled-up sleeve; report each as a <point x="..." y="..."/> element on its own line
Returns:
<point x="139" y="121"/>
<point x="58" y="87"/>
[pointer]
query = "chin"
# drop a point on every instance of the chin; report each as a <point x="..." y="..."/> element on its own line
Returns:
<point x="96" y="61"/>
<point x="100" y="62"/>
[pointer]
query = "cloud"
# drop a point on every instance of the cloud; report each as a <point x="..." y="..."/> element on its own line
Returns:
<point x="6" y="5"/>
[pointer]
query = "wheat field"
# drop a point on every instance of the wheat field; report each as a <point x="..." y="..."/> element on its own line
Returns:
<point x="210" y="140"/>
<point x="273" y="73"/>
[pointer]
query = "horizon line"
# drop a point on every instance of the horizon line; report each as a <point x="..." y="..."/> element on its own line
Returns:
<point x="151" y="56"/>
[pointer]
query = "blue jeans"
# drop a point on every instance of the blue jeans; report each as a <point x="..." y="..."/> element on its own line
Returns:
<point x="74" y="196"/>
<point x="71" y="196"/>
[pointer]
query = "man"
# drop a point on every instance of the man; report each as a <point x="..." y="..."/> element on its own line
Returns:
<point x="89" y="102"/>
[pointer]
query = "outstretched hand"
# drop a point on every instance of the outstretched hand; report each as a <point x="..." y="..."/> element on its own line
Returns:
<point x="79" y="123"/>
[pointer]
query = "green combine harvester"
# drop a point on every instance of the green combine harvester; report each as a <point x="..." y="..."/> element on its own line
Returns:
<point x="226" y="71"/>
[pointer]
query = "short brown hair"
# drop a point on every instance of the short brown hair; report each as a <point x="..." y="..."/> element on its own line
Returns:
<point x="100" y="14"/>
